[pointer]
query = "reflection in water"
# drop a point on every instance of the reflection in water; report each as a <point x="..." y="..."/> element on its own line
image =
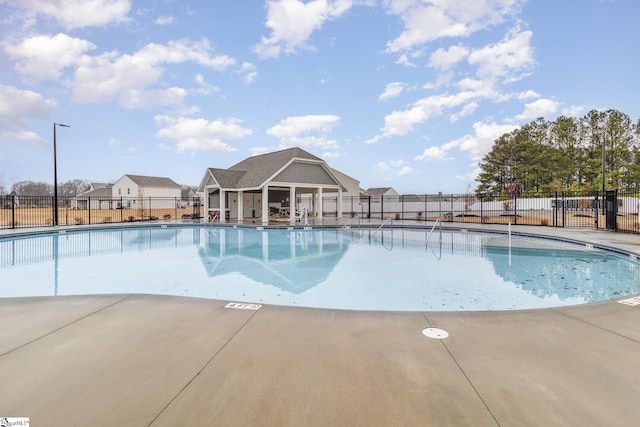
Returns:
<point x="293" y="261"/>
<point x="358" y="269"/>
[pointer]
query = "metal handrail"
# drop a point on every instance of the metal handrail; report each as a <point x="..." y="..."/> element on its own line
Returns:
<point x="382" y="225"/>
<point x="344" y="227"/>
<point x="426" y="242"/>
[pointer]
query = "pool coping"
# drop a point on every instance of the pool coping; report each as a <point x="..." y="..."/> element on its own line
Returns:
<point x="158" y="360"/>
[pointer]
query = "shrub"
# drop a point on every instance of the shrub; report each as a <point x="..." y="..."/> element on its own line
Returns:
<point x="79" y="220"/>
<point x="107" y="219"/>
<point x="166" y="216"/>
<point x="130" y="218"/>
<point x="544" y="221"/>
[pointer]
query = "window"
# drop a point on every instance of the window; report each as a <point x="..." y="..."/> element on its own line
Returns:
<point x="119" y="191"/>
<point x="128" y="191"/>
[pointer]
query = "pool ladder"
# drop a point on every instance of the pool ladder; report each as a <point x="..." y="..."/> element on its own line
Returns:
<point x="382" y="225"/>
<point x="344" y="227"/>
<point x="426" y="241"/>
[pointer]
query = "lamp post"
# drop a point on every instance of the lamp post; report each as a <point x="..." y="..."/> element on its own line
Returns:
<point x="604" y="140"/>
<point x="55" y="175"/>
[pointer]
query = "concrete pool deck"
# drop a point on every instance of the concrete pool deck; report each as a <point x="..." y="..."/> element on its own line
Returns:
<point x="140" y="360"/>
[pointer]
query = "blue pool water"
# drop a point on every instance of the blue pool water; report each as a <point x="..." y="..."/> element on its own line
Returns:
<point x="361" y="270"/>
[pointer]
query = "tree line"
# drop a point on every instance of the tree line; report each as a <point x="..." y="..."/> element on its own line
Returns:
<point x="71" y="188"/>
<point x="565" y="155"/>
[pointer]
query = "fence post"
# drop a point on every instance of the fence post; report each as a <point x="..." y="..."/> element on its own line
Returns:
<point x="175" y="208"/>
<point x="121" y="208"/>
<point x="481" y="210"/>
<point x="515" y="207"/>
<point x="88" y="201"/>
<point x="13" y="211"/>
<point x="382" y="207"/>
<point x="564" y="205"/>
<point x="451" y="207"/>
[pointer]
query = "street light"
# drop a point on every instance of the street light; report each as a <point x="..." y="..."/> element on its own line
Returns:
<point x="604" y="141"/>
<point x="55" y="175"/>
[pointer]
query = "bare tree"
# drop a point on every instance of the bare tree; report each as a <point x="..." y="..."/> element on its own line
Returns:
<point x="31" y="188"/>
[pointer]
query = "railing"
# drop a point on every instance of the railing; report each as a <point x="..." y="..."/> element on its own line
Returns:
<point x="426" y="241"/>
<point x="346" y="225"/>
<point x="382" y="225"/>
<point x="551" y="209"/>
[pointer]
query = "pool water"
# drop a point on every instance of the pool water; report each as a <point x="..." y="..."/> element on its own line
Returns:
<point x="352" y="269"/>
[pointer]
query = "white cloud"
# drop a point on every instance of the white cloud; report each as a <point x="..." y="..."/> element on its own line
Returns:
<point x="425" y="21"/>
<point x="482" y="140"/>
<point x="477" y="145"/>
<point x="200" y="134"/>
<point x="510" y="58"/>
<point x="433" y="154"/>
<point x="165" y="20"/>
<point x="539" y="108"/>
<point x="391" y="91"/>
<point x="249" y="71"/>
<point x="382" y="166"/>
<point x="292" y="22"/>
<point x="204" y="87"/>
<point x="152" y="98"/>
<point x="17" y="105"/>
<point x="294" y="131"/>
<point x="527" y="94"/>
<point x="26" y="136"/>
<point x="43" y="57"/>
<point x="406" y="170"/>
<point x="445" y="59"/>
<point x="111" y="76"/>
<point x="404" y="60"/>
<point x="78" y="13"/>
<point x="574" y="110"/>
<point x="403" y="122"/>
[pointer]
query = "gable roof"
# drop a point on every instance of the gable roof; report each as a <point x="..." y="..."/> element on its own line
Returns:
<point x="260" y="168"/>
<point x="98" y="192"/>
<point x="152" y="181"/>
<point x="253" y="172"/>
<point x="379" y="191"/>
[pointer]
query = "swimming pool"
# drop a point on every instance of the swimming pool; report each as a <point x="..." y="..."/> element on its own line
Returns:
<point x="319" y="267"/>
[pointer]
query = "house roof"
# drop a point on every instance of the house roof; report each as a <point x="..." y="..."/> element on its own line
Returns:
<point x="380" y="191"/>
<point x="98" y="192"/>
<point x="260" y="168"/>
<point x="152" y="181"/>
<point x="253" y="172"/>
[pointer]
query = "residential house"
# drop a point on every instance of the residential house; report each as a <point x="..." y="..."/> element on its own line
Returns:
<point x="151" y="191"/>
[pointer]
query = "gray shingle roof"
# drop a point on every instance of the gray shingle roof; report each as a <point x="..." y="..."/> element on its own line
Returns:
<point x="254" y="171"/>
<point x="378" y="191"/>
<point x="98" y="192"/>
<point x="152" y="181"/>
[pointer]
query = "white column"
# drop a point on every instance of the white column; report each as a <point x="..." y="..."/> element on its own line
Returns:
<point x="240" y="206"/>
<point x="340" y="202"/>
<point x="223" y="206"/>
<point x="265" y="205"/>
<point x="320" y="203"/>
<point x="207" y="204"/>
<point x="292" y="203"/>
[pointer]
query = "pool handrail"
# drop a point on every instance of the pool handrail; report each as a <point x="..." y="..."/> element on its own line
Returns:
<point x="344" y="227"/>
<point x="426" y="241"/>
<point x="382" y="225"/>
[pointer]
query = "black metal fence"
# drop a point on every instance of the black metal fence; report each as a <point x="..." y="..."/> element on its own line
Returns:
<point x="612" y="210"/>
<point x="36" y="211"/>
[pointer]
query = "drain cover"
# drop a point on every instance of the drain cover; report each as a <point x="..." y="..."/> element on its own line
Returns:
<point x="435" y="333"/>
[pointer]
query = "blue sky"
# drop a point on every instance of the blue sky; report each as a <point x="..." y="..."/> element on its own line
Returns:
<point x="402" y="93"/>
